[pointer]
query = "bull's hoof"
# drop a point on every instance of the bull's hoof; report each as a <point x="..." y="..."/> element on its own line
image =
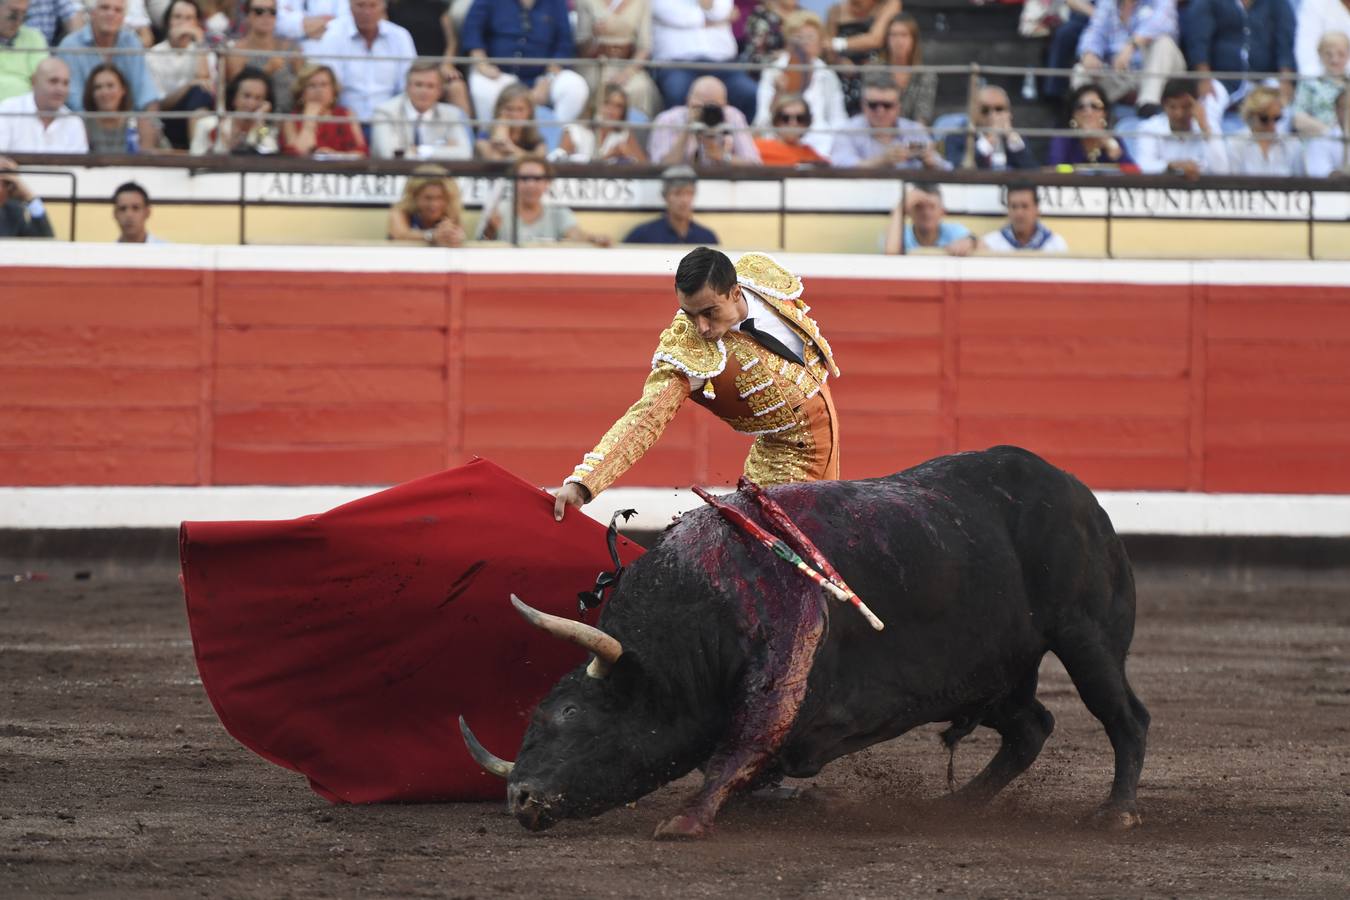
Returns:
<point x="1113" y="818"/>
<point x="683" y="827"/>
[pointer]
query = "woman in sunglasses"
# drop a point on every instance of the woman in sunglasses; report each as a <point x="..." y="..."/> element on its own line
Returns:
<point x="1260" y="149"/>
<point x="785" y="146"/>
<point x="1087" y="112"/>
<point x="530" y="219"/>
<point x="817" y="86"/>
<point x="260" y="36"/>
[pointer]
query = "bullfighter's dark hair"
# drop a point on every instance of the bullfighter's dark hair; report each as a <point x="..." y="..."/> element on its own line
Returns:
<point x="705" y="266"/>
<point x="1178" y="87"/>
<point x="134" y="188"/>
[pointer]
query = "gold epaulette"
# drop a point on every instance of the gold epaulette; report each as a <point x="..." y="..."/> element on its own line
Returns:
<point x="682" y="347"/>
<point x="767" y="277"/>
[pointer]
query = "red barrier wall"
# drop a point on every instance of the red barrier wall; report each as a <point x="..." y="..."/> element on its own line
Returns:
<point x="232" y="377"/>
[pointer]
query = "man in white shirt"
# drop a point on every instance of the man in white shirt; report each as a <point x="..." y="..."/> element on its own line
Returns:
<point x="416" y="125"/>
<point x="367" y="82"/>
<point x="307" y="21"/>
<point x="1178" y="140"/>
<point x="131" y="209"/>
<point x="39" y="122"/>
<point x="698" y="31"/>
<point x="1024" y="230"/>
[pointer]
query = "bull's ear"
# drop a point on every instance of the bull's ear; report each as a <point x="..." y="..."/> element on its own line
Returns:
<point x="626" y="677"/>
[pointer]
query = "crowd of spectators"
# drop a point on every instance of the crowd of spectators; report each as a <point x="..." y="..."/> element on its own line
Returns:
<point x="529" y="82"/>
<point x="438" y="80"/>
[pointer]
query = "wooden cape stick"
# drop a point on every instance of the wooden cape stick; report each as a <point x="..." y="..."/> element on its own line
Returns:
<point x="740" y="520"/>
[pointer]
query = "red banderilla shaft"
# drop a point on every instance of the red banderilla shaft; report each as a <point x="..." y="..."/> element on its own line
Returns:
<point x="801" y="543"/>
<point x="740" y="520"/>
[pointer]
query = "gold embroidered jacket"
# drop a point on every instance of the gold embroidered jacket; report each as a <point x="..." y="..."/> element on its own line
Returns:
<point x="749" y="387"/>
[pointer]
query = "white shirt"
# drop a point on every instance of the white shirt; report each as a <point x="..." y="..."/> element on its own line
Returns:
<point x="1155" y="147"/>
<point x="996" y="242"/>
<point x="680" y="30"/>
<point x="291" y="15"/>
<point x="21" y="131"/>
<point x="366" y="83"/>
<point x="767" y="320"/>
<point x="1245" y="156"/>
<point x="1316" y="18"/>
<point x="1324" y="154"/>
<point x="441" y="132"/>
<point x="824" y="97"/>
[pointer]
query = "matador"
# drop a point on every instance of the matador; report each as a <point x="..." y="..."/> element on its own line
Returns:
<point x="743" y="346"/>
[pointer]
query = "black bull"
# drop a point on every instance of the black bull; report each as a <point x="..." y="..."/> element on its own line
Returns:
<point x="728" y="659"/>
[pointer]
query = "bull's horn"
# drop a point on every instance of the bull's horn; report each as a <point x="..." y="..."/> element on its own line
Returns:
<point x="499" y="767"/>
<point x="607" y="650"/>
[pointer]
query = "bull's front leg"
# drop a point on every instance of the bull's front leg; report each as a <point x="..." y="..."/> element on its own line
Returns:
<point x="768" y="701"/>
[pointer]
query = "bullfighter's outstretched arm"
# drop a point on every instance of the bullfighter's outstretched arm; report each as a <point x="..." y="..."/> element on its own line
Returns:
<point x="635" y="432"/>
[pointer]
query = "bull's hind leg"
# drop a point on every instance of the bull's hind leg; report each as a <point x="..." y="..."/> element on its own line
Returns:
<point x="1099" y="675"/>
<point x="1024" y="724"/>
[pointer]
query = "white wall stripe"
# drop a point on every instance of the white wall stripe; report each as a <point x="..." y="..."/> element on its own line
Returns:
<point x="1133" y="512"/>
<point x="623" y="261"/>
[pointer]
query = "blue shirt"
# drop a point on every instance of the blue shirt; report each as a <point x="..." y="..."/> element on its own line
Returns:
<point x="45" y="15"/>
<point x="859" y="144"/>
<point x="1228" y="37"/>
<point x="1106" y="35"/>
<point x="947" y="232"/>
<point x="659" y="231"/>
<point x="504" y="28"/>
<point x="139" y="83"/>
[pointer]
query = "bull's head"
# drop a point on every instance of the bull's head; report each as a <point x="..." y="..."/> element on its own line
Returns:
<point x="601" y="738"/>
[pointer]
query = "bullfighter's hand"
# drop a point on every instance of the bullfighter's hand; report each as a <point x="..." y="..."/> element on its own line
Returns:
<point x="570" y="494"/>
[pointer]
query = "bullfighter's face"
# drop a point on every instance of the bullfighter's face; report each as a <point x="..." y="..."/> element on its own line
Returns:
<point x="714" y="314"/>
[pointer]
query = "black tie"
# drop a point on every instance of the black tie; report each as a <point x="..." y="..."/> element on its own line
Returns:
<point x="768" y="341"/>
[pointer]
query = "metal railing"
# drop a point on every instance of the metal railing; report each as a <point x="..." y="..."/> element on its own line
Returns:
<point x="243" y="167"/>
<point x="974" y="74"/>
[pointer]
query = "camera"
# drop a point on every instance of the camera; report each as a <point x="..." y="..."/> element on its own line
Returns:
<point x="711" y="116"/>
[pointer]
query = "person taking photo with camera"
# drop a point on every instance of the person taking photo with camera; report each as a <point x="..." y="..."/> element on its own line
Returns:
<point x="705" y="131"/>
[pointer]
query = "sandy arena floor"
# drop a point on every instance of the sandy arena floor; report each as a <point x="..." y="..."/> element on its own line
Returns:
<point x="116" y="779"/>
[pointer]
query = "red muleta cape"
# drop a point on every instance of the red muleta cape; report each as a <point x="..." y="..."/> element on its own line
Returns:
<point x="346" y="645"/>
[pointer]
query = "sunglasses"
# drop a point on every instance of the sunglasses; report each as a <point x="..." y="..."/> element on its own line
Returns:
<point x="262" y="10"/>
<point x="531" y="178"/>
<point x="986" y="110"/>
<point x="1265" y="119"/>
<point x="794" y="118"/>
<point x="877" y="105"/>
<point x="1091" y="104"/>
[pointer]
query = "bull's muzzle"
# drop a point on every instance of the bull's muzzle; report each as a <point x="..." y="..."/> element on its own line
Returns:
<point x="529" y="805"/>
